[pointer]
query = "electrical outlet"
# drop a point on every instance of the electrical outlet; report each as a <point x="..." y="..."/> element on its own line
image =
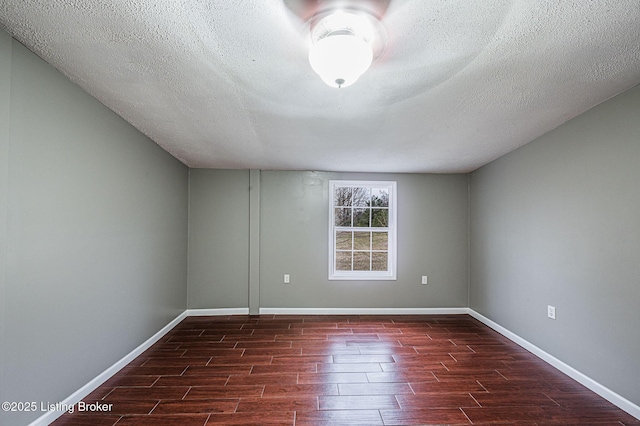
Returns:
<point x="424" y="279"/>
<point x="551" y="311"/>
<point x="287" y="280"/>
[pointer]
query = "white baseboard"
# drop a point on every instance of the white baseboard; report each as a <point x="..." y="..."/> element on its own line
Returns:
<point x="77" y="396"/>
<point x="579" y="377"/>
<point x="216" y="312"/>
<point x="363" y="311"/>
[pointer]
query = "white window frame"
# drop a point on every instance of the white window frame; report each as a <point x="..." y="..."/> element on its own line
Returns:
<point x="390" y="273"/>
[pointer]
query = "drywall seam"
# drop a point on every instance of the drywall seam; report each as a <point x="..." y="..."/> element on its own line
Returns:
<point x="254" y="241"/>
<point x="188" y="277"/>
<point x="468" y="239"/>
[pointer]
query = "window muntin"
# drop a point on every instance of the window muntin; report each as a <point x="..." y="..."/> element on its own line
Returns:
<point x="362" y="231"/>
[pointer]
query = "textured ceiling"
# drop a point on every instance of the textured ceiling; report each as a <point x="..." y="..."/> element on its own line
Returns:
<point x="227" y="84"/>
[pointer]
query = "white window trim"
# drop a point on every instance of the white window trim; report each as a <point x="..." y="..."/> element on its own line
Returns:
<point x="390" y="274"/>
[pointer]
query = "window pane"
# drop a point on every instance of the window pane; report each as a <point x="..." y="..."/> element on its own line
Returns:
<point x="362" y="236"/>
<point x="361" y="197"/>
<point x="361" y="217"/>
<point x="380" y="218"/>
<point x="379" y="261"/>
<point x="343" y="240"/>
<point x="380" y="241"/>
<point x="361" y="261"/>
<point x="343" y="261"/>
<point x="342" y="196"/>
<point x="379" y="197"/>
<point x="362" y="240"/>
<point x="343" y="217"/>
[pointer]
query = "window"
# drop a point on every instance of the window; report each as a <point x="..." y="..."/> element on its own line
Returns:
<point x="362" y="230"/>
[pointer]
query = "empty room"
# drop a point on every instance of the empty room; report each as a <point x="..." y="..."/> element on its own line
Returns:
<point x="301" y="212"/>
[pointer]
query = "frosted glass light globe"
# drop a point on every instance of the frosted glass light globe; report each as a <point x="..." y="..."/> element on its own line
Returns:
<point x="340" y="59"/>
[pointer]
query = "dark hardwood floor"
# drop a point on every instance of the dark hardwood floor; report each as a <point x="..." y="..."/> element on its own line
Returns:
<point x="329" y="370"/>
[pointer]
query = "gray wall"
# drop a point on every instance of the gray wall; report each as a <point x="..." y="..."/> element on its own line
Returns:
<point x="218" y="239"/>
<point x="5" y="92"/>
<point x="93" y="234"/>
<point x="557" y="222"/>
<point x="432" y="240"/>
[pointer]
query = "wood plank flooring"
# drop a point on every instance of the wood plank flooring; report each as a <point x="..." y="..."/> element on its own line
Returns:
<point x="351" y="370"/>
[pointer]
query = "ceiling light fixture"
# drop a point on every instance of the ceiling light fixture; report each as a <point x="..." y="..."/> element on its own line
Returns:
<point x="344" y="44"/>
